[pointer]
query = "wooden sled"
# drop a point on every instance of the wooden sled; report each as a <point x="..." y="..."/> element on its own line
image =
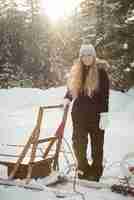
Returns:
<point x="40" y="169"/>
<point x="43" y="167"/>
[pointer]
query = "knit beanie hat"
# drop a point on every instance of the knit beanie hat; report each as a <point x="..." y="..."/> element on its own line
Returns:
<point x="87" y="50"/>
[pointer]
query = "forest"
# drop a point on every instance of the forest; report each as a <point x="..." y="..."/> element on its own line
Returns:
<point x="37" y="52"/>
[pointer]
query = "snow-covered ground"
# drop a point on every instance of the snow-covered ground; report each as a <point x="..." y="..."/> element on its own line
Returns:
<point x="18" y="112"/>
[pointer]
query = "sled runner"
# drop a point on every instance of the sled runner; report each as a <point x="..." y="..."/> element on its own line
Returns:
<point x="43" y="167"/>
<point x="14" y="183"/>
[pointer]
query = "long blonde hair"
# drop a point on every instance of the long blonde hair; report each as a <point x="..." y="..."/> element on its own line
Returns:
<point x="75" y="84"/>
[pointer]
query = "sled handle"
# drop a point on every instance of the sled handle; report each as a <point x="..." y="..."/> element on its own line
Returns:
<point x="53" y="106"/>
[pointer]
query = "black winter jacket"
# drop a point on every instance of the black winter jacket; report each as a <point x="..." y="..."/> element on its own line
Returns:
<point x="85" y="107"/>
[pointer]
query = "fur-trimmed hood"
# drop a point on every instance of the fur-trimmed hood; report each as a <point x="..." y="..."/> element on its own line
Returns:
<point x="75" y="81"/>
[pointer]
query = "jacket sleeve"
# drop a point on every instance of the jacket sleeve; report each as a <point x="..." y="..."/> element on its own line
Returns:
<point x="68" y="95"/>
<point x="104" y="91"/>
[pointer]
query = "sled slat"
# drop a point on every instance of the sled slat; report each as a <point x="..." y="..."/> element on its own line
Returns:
<point x="35" y="143"/>
<point x="46" y="139"/>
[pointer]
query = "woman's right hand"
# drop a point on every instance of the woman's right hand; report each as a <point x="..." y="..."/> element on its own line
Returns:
<point x="66" y="102"/>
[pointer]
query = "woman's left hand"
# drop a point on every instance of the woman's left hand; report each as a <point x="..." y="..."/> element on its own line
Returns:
<point x="104" y="121"/>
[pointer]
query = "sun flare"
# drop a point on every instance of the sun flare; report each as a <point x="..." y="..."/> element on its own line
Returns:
<point x="56" y="9"/>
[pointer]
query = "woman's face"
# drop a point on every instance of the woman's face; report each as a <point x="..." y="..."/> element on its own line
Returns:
<point x="87" y="60"/>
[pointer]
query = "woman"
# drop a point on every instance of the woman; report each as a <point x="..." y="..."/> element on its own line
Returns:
<point x="88" y="87"/>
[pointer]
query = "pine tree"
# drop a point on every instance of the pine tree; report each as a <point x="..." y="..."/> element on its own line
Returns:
<point x="88" y="20"/>
<point x="36" y="56"/>
<point x="120" y="39"/>
<point x="100" y="28"/>
<point x="24" y="38"/>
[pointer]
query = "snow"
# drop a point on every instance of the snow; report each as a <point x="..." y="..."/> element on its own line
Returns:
<point x="132" y="64"/>
<point x="130" y="19"/>
<point x="18" y="112"/>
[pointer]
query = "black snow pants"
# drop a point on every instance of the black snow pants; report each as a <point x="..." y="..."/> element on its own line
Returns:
<point x="80" y="142"/>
